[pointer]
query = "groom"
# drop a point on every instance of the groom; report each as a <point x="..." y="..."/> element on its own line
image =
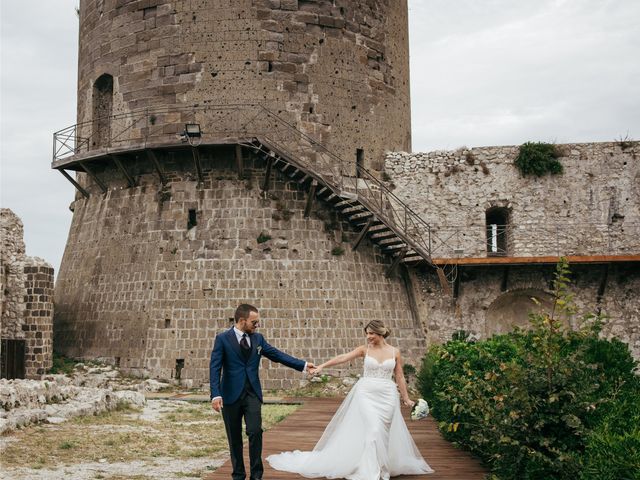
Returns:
<point x="236" y="356"/>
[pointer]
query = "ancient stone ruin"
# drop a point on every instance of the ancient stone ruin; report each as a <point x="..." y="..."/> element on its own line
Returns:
<point x="26" y="299"/>
<point x="232" y="152"/>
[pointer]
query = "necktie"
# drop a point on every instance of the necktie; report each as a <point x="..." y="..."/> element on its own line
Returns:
<point x="246" y="349"/>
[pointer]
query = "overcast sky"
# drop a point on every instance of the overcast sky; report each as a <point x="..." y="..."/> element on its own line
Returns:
<point x="483" y="72"/>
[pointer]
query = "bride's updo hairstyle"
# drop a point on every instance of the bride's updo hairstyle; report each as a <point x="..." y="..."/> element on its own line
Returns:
<point x="376" y="326"/>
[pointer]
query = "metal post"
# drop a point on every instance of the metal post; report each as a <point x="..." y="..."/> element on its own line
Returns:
<point x="405" y="219"/>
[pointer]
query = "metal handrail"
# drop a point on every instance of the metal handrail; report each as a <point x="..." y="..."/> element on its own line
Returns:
<point x="536" y="239"/>
<point x="252" y="121"/>
<point x="243" y="122"/>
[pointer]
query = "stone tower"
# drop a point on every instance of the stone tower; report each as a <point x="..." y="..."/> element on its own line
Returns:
<point x="338" y="70"/>
<point x="227" y="151"/>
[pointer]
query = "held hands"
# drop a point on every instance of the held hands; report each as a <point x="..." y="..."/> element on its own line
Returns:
<point x="315" y="370"/>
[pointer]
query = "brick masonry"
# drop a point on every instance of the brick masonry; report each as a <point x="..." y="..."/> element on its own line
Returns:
<point x="139" y="288"/>
<point x="337" y="70"/>
<point x="38" y="316"/>
<point x="27" y="297"/>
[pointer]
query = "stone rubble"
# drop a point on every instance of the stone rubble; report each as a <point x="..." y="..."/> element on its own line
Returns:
<point x="57" y="398"/>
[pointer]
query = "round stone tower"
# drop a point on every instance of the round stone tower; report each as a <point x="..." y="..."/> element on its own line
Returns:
<point x="227" y="152"/>
<point x="338" y="70"/>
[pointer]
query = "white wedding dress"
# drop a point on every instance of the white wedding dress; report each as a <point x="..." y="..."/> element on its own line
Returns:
<point x="367" y="438"/>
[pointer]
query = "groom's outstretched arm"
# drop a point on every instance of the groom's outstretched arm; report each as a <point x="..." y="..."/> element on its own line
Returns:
<point x="275" y="355"/>
<point x="215" y="367"/>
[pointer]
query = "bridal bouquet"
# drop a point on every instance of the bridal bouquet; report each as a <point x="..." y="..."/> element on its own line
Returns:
<point x="420" y="410"/>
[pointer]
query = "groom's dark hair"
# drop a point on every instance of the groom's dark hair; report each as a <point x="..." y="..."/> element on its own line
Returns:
<point x="244" y="310"/>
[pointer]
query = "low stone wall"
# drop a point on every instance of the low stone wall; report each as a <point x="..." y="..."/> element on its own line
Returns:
<point x="57" y="398"/>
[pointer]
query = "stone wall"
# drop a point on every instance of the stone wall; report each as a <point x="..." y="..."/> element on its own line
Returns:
<point x="141" y="289"/>
<point x="38" y="316"/>
<point x="337" y="70"/>
<point x="27" y="297"/>
<point x="12" y="260"/>
<point x="493" y="299"/>
<point x="591" y="209"/>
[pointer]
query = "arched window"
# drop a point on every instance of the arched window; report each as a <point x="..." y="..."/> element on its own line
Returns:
<point x="102" y="110"/>
<point x="497" y="227"/>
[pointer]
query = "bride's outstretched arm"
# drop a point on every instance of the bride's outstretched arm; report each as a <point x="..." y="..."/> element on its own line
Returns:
<point x="400" y="380"/>
<point x="345" y="357"/>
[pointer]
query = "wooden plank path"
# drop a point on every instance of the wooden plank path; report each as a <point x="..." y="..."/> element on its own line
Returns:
<point x="303" y="428"/>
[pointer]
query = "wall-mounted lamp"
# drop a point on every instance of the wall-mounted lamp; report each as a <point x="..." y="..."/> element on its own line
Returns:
<point x="192" y="130"/>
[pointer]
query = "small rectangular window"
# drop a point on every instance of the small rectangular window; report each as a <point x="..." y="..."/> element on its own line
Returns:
<point x="149" y="12"/>
<point x="193" y="219"/>
<point x="179" y="367"/>
<point x="359" y="161"/>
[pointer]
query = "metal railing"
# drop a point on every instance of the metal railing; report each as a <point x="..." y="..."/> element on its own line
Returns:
<point x="143" y="128"/>
<point x="243" y="123"/>
<point x="536" y="240"/>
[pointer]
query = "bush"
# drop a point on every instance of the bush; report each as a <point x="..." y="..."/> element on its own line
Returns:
<point x="612" y="450"/>
<point x="61" y="365"/>
<point x="532" y="403"/>
<point x="538" y="158"/>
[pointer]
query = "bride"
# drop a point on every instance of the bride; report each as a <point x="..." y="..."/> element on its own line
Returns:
<point x="367" y="438"/>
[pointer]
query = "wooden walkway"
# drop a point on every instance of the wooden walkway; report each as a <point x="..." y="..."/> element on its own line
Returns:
<point x="302" y="429"/>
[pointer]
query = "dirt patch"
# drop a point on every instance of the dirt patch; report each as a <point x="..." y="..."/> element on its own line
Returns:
<point x="167" y="439"/>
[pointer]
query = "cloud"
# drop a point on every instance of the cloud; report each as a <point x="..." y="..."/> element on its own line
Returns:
<point x="507" y="72"/>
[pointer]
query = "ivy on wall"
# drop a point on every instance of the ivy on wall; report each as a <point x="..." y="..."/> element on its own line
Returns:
<point x="538" y="158"/>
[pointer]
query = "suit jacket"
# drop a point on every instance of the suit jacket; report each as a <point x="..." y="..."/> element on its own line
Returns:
<point x="228" y="368"/>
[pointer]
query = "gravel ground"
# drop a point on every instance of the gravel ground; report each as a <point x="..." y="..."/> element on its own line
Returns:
<point x="159" y="468"/>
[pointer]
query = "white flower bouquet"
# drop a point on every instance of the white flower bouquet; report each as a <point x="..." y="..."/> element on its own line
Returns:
<point x="420" y="410"/>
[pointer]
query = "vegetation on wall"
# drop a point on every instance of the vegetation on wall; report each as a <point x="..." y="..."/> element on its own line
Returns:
<point x="263" y="237"/>
<point x="538" y="158"/>
<point x="547" y="402"/>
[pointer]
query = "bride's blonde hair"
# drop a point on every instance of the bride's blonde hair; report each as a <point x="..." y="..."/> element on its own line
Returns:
<point x="376" y="326"/>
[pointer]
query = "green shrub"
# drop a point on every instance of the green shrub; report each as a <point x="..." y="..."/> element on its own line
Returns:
<point x="527" y="401"/>
<point x="538" y="158"/>
<point x="612" y="449"/>
<point x="62" y="365"/>
<point x="263" y="237"/>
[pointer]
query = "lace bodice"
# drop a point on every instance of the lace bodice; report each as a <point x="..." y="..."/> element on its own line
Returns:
<point x="375" y="369"/>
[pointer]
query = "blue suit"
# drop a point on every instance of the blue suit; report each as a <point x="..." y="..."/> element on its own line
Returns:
<point x="228" y="362"/>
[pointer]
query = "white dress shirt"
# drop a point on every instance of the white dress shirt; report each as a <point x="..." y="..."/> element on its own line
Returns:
<point x="239" y="334"/>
